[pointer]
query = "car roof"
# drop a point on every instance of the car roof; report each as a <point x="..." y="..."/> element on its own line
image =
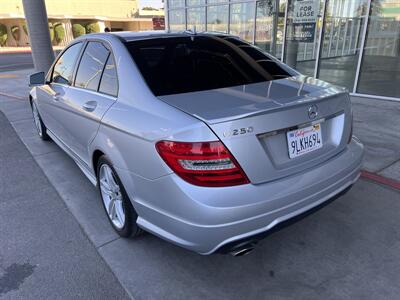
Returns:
<point x="130" y="36"/>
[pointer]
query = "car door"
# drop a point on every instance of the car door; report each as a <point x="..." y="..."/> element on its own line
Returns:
<point x="89" y="97"/>
<point x="52" y="94"/>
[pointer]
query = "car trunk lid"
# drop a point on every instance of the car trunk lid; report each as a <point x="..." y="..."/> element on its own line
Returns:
<point x="253" y="121"/>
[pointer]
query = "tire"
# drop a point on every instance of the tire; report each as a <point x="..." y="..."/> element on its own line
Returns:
<point x="40" y="127"/>
<point x="125" y="226"/>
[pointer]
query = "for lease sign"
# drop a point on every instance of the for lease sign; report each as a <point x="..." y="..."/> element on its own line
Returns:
<point x="304" y="20"/>
<point x="305" y="11"/>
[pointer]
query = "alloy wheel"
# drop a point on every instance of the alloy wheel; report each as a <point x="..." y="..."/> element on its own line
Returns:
<point x="112" y="196"/>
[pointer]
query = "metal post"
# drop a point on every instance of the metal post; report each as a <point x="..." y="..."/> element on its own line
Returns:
<point x="205" y="18"/>
<point x="358" y="28"/>
<point x="351" y="35"/>
<point x="320" y="40"/>
<point x="345" y="35"/>
<point x="254" y="24"/>
<point x="360" y="56"/>
<point x="229" y="18"/>
<point x="275" y="14"/>
<point x="338" y="36"/>
<point x="39" y="36"/>
<point x="166" y="18"/>
<point x="284" y="31"/>
<point x="186" y="18"/>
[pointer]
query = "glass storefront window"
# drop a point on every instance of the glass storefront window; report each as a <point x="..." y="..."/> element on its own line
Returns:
<point x="265" y="25"/>
<point x="302" y="34"/>
<point x="196" y="17"/>
<point x="341" y="41"/>
<point x="343" y="34"/>
<point x="380" y="68"/>
<point x="195" y="2"/>
<point x="176" y="3"/>
<point x="176" y="20"/>
<point x="217" y="18"/>
<point x="242" y="20"/>
<point x="216" y="1"/>
<point x="270" y="18"/>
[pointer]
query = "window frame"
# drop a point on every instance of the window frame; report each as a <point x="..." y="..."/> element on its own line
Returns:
<point x="107" y="45"/>
<point x="102" y="73"/>
<point x="49" y="76"/>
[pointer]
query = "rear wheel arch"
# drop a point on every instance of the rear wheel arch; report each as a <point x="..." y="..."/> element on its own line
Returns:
<point x="95" y="159"/>
<point x="130" y="228"/>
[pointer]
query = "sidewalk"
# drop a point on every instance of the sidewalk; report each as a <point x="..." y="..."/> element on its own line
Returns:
<point x="377" y="123"/>
<point x="44" y="253"/>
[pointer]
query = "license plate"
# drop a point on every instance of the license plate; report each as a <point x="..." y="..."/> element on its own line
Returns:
<point x="304" y="140"/>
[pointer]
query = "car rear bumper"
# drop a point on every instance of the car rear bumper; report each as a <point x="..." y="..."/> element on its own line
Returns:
<point x="205" y="219"/>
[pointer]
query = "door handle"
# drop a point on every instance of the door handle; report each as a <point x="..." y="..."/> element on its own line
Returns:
<point x="89" y="106"/>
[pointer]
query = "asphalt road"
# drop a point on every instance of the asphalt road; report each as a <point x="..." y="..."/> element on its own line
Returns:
<point x="44" y="253"/>
<point x="15" y="61"/>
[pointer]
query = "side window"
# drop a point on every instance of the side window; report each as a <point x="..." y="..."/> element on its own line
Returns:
<point x="109" y="80"/>
<point x="64" y="67"/>
<point x="91" y="66"/>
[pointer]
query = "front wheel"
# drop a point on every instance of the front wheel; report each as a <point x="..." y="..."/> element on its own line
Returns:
<point x="117" y="205"/>
<point x="41" y="129"/>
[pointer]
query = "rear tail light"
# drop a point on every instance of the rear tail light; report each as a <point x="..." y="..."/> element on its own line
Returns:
<point x="202" y="163"/>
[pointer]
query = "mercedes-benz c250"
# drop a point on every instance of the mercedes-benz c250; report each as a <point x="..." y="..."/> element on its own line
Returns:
<point x="199" y="138"/>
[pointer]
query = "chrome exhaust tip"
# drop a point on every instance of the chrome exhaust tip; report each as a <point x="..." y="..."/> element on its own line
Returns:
<point x="242" y="250"/>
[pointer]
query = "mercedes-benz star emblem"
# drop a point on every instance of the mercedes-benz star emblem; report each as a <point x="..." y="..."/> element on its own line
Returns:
<point x="312" y="111"/>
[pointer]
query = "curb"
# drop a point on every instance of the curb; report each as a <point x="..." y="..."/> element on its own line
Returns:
<point x="15" y="51"/>
<point x="380" y="179"/>
<point x="13" y="96"/>
<point x="23" y="50"/>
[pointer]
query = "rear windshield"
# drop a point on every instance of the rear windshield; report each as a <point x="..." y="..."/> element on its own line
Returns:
<point x="177" y="65"/>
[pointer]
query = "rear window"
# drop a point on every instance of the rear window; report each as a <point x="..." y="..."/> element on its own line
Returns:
<point x="177" y="65"/>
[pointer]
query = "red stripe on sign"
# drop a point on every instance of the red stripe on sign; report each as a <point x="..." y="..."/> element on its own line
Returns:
<point x="380" y="179"/>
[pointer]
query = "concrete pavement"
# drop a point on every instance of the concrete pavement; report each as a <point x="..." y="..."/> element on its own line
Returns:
<point x="44" y="252"/>
<point x="377" y="124"/>
<point x="17" y="58"/>
<point x="349" y="249"/>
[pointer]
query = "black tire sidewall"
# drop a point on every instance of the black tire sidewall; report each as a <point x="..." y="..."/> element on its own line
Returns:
<point x="44" y="136"/>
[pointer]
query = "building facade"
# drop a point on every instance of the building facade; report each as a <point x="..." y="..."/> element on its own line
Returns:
<point x="68" y="19"/>
<point x="352" y="43"/>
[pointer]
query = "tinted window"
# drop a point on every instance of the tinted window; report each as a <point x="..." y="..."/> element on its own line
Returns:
<point x="91" y="66"/>
<point x="185" y="64"/>
<point x="109" y="81"/>
<point x="64" y="67"/>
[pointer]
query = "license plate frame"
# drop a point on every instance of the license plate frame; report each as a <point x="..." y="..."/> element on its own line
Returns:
<point x="304" y="140"/>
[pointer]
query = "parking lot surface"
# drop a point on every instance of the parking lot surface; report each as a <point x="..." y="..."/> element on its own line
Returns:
<point x="44" y="253"/>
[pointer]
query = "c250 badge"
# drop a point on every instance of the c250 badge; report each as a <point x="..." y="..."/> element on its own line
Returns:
<point x="238" y="131"/>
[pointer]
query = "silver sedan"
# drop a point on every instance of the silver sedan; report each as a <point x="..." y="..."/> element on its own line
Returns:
<point x="201" y="139"/>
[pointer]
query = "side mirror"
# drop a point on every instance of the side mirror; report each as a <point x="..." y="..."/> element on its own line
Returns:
<point x="37" y="79"/>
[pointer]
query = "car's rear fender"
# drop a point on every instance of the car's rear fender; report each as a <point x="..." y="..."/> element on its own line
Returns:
<point x="128" y="136"/>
